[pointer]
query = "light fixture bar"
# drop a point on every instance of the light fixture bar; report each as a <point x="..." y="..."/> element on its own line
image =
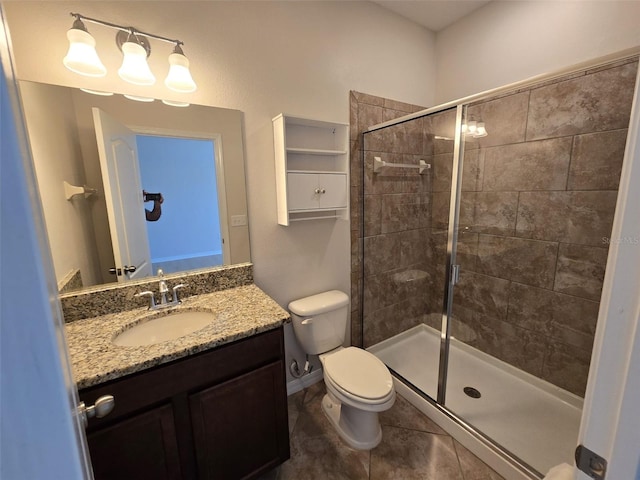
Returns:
<point x="131" y="30"/>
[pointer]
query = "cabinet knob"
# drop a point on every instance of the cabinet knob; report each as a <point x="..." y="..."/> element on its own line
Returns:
<point x="322" y="190"/>
<point x="317" y="190"/>
<point x="103" y="407"/>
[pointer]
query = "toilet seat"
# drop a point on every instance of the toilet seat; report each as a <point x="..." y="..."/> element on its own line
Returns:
<point x="358" y="375"/>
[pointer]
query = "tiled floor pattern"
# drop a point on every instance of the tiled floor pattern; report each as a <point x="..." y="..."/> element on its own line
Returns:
<point x="412" y="447"/>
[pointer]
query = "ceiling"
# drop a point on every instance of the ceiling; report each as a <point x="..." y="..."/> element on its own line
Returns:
<point x="435" y="15"/>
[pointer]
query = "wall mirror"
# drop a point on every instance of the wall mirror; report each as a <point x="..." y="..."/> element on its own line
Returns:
<point x="193" y="156"/>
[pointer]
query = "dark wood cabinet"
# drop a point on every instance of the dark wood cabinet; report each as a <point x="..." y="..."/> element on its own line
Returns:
<point x="220" y="414"/>
<point x="144" y="446"/>
<point x="244" y="415"/>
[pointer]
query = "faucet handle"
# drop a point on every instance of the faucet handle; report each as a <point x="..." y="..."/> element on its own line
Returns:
<point x="152" y="300"/>
<point x="175" y="291"/>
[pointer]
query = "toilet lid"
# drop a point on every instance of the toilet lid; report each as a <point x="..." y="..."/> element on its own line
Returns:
<point x="359" y="373"/>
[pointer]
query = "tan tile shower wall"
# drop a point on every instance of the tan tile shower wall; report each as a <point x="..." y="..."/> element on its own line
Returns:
<point x="397" y="222"/>
<point x="540" y="221"/>
<point x="536" y="213"/>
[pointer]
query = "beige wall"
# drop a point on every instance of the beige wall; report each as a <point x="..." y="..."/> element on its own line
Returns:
<point x="507" y="41"/>
<point x="51" y="125"/>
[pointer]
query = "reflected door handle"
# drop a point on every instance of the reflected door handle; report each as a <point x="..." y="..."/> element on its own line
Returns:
<point x="115" y="271"/>
<point x="130" y="269"/>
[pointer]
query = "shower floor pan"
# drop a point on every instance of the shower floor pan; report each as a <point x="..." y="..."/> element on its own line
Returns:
<point x="533" y="419"/>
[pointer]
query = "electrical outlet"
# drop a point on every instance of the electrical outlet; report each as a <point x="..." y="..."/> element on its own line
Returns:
<point x="238" y="220"/>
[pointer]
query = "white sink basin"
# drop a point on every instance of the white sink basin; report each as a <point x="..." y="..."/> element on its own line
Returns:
<point x="162" y="329"/>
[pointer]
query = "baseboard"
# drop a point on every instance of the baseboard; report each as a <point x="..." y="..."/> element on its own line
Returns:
<point x="297" y="384"/>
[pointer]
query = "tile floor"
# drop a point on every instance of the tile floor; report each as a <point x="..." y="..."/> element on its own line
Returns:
<point x="413" y="447"/>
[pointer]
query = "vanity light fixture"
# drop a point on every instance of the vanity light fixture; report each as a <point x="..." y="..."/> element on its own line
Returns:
<point x="82" y="57"/>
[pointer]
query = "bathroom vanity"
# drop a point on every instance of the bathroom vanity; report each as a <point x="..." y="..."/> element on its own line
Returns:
<point x="211" y="404"/>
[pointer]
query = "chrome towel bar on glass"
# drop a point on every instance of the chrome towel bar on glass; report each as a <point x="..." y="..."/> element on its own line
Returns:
<point x="379" y="164"/>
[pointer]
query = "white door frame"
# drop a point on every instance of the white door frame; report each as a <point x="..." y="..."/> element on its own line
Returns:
<point x="610" y="419"/>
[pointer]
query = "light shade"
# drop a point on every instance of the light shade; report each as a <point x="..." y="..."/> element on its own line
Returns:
<point x="82" y="57"/>
<point x="135" y="68"/>
<point x="179" y="77"/>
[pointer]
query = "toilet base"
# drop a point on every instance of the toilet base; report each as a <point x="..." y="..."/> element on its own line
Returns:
<point x="360" y="429"/>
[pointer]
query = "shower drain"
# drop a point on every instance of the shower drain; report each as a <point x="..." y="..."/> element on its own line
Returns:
<point x="472" y="392"/>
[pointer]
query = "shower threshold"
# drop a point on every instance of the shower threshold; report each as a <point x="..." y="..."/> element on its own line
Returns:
<point x="534" y="420"/>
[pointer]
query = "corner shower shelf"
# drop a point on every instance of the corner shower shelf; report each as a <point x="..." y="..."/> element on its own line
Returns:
<point x="312" y="165"/>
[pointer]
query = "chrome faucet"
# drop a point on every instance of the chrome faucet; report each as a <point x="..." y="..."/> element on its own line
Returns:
<point x="164" y="290"/>
<point x="162" y="286"/>
<point x="152" y="300"/>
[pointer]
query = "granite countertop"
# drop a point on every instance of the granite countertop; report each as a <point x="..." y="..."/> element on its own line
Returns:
<point x="241" y="312"/>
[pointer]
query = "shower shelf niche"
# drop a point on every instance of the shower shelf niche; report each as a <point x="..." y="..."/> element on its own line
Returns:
<point x="312" y="164"/>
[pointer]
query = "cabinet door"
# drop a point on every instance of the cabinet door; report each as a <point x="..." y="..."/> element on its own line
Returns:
<point x="142" y="447"/>
<point x="302" y="191"/>
<point x="334" y="190"/>
<point x="240" y="427"/>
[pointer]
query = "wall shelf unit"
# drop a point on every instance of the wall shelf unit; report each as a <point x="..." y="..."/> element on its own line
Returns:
<point x="312" y="169"/>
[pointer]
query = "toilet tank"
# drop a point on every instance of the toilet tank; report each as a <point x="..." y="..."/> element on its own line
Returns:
<point x="320" y="321"/>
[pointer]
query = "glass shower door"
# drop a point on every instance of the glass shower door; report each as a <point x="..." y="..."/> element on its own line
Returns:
<point x="407" y="186"/>
<point x="529" y="244"/>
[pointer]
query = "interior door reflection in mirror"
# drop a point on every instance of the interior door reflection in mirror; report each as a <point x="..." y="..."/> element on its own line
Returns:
<point x="190" y="158"/>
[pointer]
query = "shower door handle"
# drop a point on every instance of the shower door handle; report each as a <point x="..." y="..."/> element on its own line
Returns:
<point x="455" y="274"/>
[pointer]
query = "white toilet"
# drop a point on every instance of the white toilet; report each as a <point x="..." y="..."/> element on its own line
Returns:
<point x="358" y="384"/>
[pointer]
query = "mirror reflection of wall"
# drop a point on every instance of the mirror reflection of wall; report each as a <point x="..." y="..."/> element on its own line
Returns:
<point x="63" y="141"/>
<point x="187" y="234"/>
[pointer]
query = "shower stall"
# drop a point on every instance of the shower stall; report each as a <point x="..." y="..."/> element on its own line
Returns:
<point x="480" y="248"/>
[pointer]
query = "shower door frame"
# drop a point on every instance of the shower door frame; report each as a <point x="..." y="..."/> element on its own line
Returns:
<point x="451" y="268"/>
